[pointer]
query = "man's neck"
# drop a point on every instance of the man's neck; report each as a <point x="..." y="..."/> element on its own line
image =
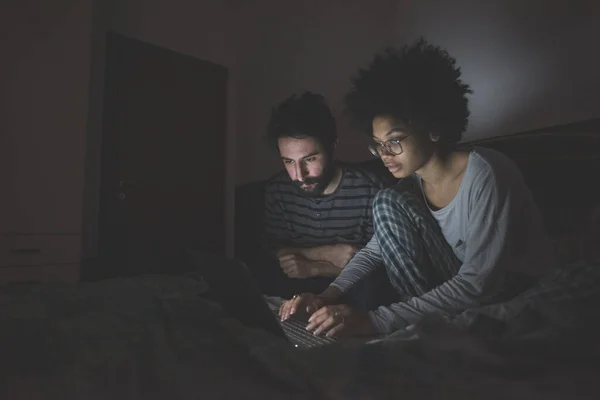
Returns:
<point x="335" y="180"/>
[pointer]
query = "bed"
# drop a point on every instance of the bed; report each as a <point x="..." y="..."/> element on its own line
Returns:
<point x="156" y="337"/>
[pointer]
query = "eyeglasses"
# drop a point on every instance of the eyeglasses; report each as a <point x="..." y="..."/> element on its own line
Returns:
<point x="392" y="146"/>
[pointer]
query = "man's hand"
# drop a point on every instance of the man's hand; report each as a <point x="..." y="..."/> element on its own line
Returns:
<point x="341" y="320"/>
<point x="287" y="251"/>
<point x="296" y="266"/>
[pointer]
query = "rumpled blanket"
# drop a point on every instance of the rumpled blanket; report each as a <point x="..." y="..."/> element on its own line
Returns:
<point x="154" y="337"/>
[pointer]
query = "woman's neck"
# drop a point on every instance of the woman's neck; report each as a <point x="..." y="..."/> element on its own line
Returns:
<point x="443" y="168"/>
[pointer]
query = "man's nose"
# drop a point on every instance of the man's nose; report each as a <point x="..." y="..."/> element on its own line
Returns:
<point x="300" y="172"/>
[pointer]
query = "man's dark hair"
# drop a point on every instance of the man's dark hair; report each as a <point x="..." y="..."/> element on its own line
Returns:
<point x="418" y="85"/>
<point x="303" y="116"/>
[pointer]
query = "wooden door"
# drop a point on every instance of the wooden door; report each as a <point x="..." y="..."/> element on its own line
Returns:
<point x="163" y="157"/>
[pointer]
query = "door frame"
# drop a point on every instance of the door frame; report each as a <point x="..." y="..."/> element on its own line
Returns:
<point x="91" y="268"/>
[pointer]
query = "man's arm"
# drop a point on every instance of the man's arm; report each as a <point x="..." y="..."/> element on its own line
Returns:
<point x="297" y="266"/>
<point x="327" y="260"/>
<point x="334" y="256"/>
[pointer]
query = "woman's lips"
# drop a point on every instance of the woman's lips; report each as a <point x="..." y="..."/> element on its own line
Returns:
<point x="393" y="167"/>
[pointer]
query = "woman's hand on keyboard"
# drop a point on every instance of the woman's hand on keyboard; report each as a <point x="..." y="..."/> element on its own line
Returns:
<point x="304" y="302"/>
<point x="341" y="320"/>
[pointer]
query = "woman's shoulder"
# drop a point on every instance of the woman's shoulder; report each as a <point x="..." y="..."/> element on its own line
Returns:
<point x="491" y="168"/>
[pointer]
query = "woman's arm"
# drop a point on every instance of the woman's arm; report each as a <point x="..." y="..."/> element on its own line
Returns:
<point x="361" y="266"/>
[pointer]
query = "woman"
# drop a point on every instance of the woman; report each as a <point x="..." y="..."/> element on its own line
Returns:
<point x="470" y="235"/>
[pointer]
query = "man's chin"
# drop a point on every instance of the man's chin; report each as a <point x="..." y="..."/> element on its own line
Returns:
<point x="313" y="190"/>
<point x="310" y="188"/>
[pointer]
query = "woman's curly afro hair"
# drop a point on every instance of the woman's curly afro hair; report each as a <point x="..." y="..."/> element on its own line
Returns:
<point x="418" y="85"/>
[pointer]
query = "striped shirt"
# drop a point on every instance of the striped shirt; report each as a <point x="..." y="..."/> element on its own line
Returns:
<point x="293" y="219"/>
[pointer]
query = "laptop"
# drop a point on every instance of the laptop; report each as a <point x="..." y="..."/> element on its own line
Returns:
<point x="230" y="284"/>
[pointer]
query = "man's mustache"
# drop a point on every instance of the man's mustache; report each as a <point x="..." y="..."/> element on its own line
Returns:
<point x="307" y="181"/>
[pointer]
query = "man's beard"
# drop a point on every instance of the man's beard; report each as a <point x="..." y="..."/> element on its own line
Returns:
<point x="321" y="182"/>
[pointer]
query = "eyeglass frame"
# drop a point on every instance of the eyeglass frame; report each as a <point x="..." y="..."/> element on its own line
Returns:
<point x="386" y="145"/>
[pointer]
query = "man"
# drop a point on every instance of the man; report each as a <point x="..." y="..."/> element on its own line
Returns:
<point x="318" y="211"/>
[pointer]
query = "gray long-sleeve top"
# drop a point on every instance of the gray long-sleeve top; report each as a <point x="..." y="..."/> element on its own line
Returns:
<point x="495" y="229"/>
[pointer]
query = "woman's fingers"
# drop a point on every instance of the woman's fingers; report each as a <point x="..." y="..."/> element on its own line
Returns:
<point x="328" y="324"/>
<point x="290" y="307"/>
<point x="324" y="319"/>
<point x="336" y="329"/>
<point x="286" y="309"/>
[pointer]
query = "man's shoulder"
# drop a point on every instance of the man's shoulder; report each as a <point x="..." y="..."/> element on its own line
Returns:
<point x="280" y="187"/>
<point x="280" y="176"/>
<point x="277" y="182"/>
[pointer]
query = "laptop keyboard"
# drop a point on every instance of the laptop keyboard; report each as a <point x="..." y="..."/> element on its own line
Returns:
<point x="295" y="329"/>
